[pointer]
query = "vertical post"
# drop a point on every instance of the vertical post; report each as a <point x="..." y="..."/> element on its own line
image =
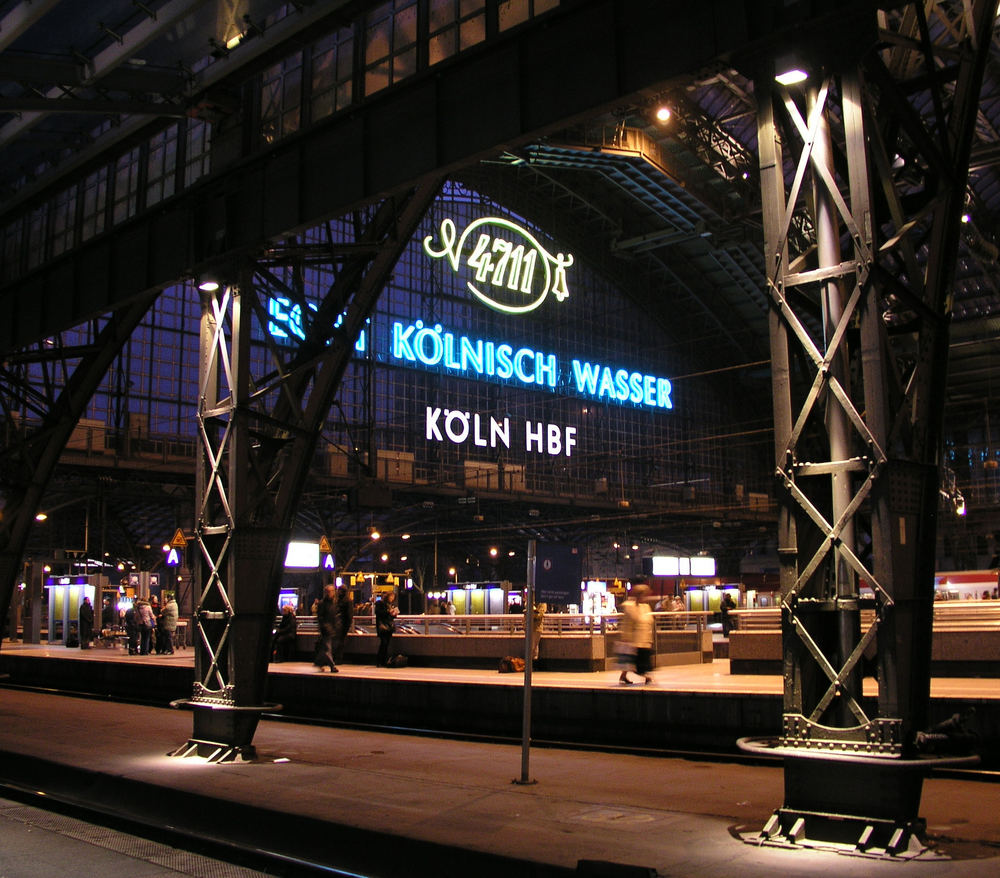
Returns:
<point x="529" y="625"/>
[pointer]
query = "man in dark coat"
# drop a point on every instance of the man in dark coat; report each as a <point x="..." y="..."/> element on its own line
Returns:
<point x="285" y="635"/>
<point x="345" y="619"/>
<point x="86" y="623"/>
<point x="326" y="620"/>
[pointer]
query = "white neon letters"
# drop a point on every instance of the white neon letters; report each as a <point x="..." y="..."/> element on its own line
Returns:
<point x="484" y="431"/>
<point x="510" y="276"/>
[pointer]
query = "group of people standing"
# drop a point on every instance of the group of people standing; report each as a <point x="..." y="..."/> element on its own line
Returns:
<point x="150" y="627"/>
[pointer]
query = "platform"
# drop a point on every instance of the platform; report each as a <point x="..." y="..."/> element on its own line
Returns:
<point x="691" y="708"/>
<point x="404" y="805"/>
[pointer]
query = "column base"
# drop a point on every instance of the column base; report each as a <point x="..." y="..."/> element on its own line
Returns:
<point x="222" y="733"/>
<point x="867" y="805"/>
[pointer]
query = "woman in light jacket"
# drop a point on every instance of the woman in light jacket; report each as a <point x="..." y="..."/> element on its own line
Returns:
<point x="636" y="632"/>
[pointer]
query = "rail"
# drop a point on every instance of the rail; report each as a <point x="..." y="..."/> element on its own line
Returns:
<point x="948" y="616"/>
<point x="553" y="624"/>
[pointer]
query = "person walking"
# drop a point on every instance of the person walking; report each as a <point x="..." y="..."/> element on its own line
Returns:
<point x="345" y="619"/>
<point x="385" y="626"/>
<point x="636" y="635"/>
<point x="326" y="620"/>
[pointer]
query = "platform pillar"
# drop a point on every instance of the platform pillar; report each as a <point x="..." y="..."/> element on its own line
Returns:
<point x="860" y="259"/>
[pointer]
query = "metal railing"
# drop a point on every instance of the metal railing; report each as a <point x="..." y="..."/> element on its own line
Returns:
<point x="553" y="625"/>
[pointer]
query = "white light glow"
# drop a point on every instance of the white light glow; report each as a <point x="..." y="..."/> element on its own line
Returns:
<point x="302" y="555"/>
<point x="791" y="77"/>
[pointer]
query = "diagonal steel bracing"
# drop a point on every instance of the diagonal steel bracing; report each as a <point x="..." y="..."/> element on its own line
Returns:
<point x="259" y="421"/>
<point x="45" y="392"/>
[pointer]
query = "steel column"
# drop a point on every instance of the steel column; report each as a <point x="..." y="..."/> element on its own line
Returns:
<point x="859" y="345"/>
<point x="259" y="429"/>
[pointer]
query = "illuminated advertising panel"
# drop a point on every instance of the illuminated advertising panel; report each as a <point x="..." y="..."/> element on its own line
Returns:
<point x="302" y="555"/>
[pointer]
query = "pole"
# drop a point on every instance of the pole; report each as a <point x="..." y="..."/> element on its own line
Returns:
<point x="529" y="624"/>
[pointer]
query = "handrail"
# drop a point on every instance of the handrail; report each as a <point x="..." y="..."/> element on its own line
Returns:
<point x="553" y="624"/>
<point x="948" y="616"/>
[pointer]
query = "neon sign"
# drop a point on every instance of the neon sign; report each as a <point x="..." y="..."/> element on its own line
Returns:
<point x="460" y="427"/>
<point x="511" y="276"/>
<point x="432" y="346"/>
<point x="285" y="321"/>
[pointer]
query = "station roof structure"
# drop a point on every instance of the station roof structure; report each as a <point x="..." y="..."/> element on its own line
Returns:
<point x="668" y="205"/>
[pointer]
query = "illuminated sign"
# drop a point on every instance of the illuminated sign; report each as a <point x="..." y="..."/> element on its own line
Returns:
<point x="432" y="346"/>
<point x="460" y="427"/>
<point x="302" y="555"/>
<point x="285" y="321"/>
<point x="173" y="558"/>
<point x="671" y="565"/>
<point x="513" y="272"/>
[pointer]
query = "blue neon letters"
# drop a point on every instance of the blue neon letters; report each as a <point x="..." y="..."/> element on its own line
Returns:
<point x="432" y="346"/>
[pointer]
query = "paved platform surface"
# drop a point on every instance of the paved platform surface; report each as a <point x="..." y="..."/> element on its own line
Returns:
<point x="397" y="805"/>
<point x="712" y="677"/>
<point x="40" y="844"/>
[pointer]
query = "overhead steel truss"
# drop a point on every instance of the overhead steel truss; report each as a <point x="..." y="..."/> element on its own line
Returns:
<point x="38" y="418"/>
<point x="875" y="149"/>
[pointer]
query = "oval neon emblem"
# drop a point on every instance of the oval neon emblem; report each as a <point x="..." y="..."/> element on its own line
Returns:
<point x="521" y="270"/>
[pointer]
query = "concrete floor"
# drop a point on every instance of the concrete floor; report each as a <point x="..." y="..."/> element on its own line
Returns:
<point x="395" y="805"/>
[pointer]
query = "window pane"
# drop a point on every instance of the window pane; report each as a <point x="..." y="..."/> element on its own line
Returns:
<point x="441" y="46"/>
<point x="473" y="32"/>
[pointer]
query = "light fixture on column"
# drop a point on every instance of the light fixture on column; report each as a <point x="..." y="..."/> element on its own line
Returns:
<point x="789" y="70"/>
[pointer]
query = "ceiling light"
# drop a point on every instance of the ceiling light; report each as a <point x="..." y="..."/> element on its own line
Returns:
<point x="663" y="113"/>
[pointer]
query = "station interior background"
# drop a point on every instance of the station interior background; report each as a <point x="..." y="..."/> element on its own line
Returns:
<point x="662" y="217"/>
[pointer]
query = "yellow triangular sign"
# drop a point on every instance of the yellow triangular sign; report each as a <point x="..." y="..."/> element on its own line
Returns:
<point x="324" y="545"/>
<point x="178" y="542"/>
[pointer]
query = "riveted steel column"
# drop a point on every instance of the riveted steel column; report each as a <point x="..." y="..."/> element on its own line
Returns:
<point x="859" y="344"/>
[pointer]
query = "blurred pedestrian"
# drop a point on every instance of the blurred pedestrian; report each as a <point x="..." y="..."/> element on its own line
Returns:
<point x="345" y="619"/>
<point x="635" y="635"/>
<point x="326" y="620"/>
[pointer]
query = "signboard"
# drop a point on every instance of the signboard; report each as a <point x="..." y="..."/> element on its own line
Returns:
<point x="557" y="574"/>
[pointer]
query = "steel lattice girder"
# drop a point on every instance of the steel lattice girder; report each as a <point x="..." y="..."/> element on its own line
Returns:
<point x="258" y="435"/>
<point x="859" y="348"/>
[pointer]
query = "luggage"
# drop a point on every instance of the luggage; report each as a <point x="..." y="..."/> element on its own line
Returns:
<point x="511" y="664"/>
